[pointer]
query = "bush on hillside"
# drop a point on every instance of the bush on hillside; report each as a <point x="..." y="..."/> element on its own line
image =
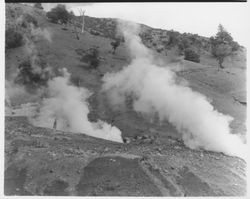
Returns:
<point x="38" y="5"/>
<point x="160" y="49"/>
<point x="235" y="46"/>
<point x="191" y="55"/>
<point x="13" y="38"/>
<point x="59" y="14"/>
<point x="30" y="19"/>
<point x="174" y="38"/>
<point x="91" y="57"/>
<point x="115" y="44"/>
<point x="184" y="44"/>
<point x="94" y="32"/>
<point x="28" y="77"/>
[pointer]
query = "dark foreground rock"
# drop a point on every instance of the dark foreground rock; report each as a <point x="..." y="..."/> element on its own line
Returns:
<point x="40" y="161"/>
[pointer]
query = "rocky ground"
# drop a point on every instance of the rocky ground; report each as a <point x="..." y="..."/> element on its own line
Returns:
<point x="40" y="161"/>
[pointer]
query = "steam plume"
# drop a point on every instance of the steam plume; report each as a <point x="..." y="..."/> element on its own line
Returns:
<point x="155" y="90"/>
<point x="67" y="104"/>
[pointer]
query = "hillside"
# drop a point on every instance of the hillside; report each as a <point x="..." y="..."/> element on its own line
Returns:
<point x="154" y="161"/>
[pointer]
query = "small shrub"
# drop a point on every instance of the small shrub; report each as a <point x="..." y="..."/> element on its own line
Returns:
<point x="28" y="77"/>
<point x="183" y="44"/>
<point x="154" y="43"/>
<point x="80" y="51"/>
<point x="191" y="55"/>
<point x="173" y="38"/>
<point x="235" y="46"/>
<point x="159" y="49"/>
<point x="115" y="44"/>
<point x="91" y="57"/>
<point x="76" y="80"/>
<point x="13" y="38"/>
<point x="94" y="32"/>
<point x="30" y="19"/>
<point x="38" y="6"/>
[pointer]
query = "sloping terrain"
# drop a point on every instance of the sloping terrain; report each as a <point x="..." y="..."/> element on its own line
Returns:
<point x="155" y="162"/>
<point x="41" y="161"/>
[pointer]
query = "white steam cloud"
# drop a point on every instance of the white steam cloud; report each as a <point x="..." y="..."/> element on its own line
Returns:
<point x="67" y="104"/>
<point x="155" y="90"/>
<point x="12" y="90"/>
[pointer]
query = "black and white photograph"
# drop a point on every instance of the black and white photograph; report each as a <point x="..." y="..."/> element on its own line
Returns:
<point x="125" y="99"/>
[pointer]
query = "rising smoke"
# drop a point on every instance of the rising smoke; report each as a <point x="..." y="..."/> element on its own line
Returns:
<point x="155" y="90"/>
<point x="31" y="50"/>
<point x="34" y="72"/>
<point x="67" y="105"/>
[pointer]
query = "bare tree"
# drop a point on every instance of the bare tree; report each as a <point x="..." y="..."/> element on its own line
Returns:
<point x="82" y="12"/>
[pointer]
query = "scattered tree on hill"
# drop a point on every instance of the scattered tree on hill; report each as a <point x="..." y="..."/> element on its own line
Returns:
<point x="59" y="14"/>
<point x="115" y="44"/>
<point x="221" y="51"/>
<point x="38" y="5"/>
<point x="222" y="45"/>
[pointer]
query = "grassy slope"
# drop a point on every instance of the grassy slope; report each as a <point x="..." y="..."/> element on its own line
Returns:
<point x="219" y="86"/>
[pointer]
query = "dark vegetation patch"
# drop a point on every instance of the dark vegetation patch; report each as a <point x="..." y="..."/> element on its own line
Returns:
<point x="191" y="55"/>
<point x="30" y="20"/>
<point x="38" y="6"/>
<point x="13" y="38"/>
<point x="115" y="44"/>
<point x="90" y="57"/>
<point x="115" y="176"/>
<point x="33" y="75"/>
<point x="96" y="33"/>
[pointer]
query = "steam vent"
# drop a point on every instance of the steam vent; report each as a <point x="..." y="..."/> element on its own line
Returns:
<point x="101" y="106"/>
